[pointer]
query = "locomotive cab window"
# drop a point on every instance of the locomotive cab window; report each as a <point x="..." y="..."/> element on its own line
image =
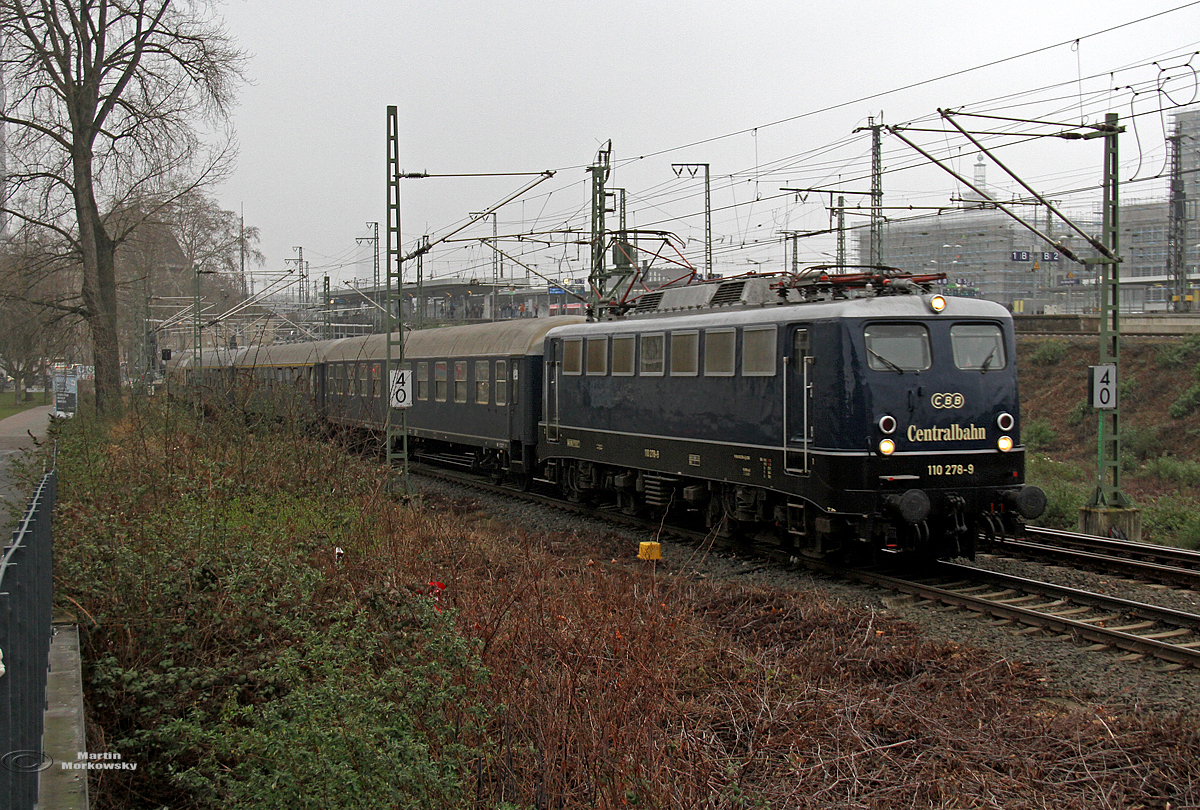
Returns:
<point x="897" y="347"/>
<point x="978" y="346"/>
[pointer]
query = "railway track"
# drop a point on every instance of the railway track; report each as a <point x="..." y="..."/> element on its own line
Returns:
<point x="1141" y="630"/>
<point x="1144" y="561"/>
<point x="1108" y="622"/>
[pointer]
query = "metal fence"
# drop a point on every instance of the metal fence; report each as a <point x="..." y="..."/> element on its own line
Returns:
<point x="26" y="591"/>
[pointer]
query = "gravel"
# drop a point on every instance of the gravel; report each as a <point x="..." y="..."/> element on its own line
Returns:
<point x="1105" y="679"/>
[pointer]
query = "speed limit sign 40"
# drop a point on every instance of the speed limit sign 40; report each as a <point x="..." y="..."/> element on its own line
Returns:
<point x="400" y="390"/>
<point x="1102" y="387"/>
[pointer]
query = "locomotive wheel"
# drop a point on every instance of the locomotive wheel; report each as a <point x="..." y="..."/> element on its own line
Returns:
<point x="570" y="484"/>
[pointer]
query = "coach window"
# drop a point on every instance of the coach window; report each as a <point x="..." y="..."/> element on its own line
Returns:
<point x="758" y="351"/>
<point x="597" y="356"/>
<point x="377" y="378"/>
<point x="460" y="381"/>
<point x="439" y="381"/>
<point x="516" y="389"/>
<point x="501" y="382"/>
<point x="572" y="356"/>
<point x="685" y="354"/>
<point x="483" y="384"/>
<point x="978" y="346"/>
<point x="622" y="359"/>
<point x="423" y="380"/>
<point x="652" y="355"/>
<point x="897" y="347"/>
<point x="718" y="352"/>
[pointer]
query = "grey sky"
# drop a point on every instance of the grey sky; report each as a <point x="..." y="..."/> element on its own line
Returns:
<point x="507" y="87"/>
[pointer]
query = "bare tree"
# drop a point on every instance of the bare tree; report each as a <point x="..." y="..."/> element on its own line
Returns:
<point x="104" y="101"/>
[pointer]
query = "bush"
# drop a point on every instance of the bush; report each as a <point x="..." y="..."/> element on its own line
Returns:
<point x="1180" y="472"/>
<point x="1171" y="520"/>
<point x="1049" y="353"/>
<point x="1039" y="435"/>
<point x="1067" y="490"/>
<point x="1188" y="402"/>
<point x="1185" y="351"/>
<point x="230" y="653"/>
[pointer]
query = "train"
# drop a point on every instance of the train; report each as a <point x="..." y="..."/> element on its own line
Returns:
<point x="850" y="416"/>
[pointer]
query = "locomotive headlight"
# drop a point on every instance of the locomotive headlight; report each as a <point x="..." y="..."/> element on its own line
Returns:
<point x="887" y="447"/>
<point x="1005" y="422"/>
<point x="887" y="424"/>
<point x="1005" y="444"/>
<point x="937" y="303"/>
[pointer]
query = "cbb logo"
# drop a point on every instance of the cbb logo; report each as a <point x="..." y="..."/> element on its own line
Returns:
<point x="947" y="401"/>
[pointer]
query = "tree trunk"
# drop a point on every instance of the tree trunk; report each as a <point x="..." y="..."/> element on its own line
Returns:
<point x="99" y="290"/>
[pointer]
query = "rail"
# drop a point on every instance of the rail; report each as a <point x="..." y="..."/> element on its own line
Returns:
<point x="26" y="591"/>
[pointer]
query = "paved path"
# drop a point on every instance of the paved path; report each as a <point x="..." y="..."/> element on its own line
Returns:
<point x="14" y="436"/>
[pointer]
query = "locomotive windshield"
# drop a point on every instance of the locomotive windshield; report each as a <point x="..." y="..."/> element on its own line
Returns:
<point x="897" y="347"/>
<point x="978" y="346"/>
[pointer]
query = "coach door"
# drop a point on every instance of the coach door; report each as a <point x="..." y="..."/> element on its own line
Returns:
<point x="797" y="396"/>
<point x="553" y="367"/>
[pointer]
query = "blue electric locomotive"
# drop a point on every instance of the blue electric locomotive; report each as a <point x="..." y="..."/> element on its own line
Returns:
<point x="844" y="424"/>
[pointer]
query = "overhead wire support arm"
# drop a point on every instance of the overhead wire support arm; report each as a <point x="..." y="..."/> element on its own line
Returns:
<point x="1063" y="249"/>
<point x="1099" y="246"/>
<point x="426" y="245"/>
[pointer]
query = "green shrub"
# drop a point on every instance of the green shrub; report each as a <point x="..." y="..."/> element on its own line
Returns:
<point x="1188" y="402"/>
<point x="1067" y="489"/>
<point x="1180" y="472"/>
<point x="1049" y="353"/>
<point x="1171" y="520"/>
<point x="1185" y="351"/>
<point x="1080" y="414"/>
<point x="1139" y="443"/>
<point x="1039" y="435"/>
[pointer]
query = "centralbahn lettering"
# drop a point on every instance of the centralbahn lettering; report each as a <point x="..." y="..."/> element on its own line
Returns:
<point x="954" y="433"/>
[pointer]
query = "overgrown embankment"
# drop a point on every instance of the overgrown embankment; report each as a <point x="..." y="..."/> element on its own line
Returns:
<point x="1160" y="426"/>
<point x="242" y="663"/>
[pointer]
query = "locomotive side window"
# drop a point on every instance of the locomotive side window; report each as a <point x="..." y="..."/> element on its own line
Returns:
<point x="597" y="356"/>
<point x="685" y="354"/>
<point x="897" y="346"/>
<point x="758" y="351"/>
<point x="439" y="381"/>
<point x="483" y="374"/>
<point x="652" y="355"/>
<point x="977" y="346"/>
<point x="460" y="381"/>
<point x="622" y="359"/>
<point x="423" y="380"/>
<point x="501" y="382"/>
<point x="572" y="356"/>
<point x="718" y="352"/>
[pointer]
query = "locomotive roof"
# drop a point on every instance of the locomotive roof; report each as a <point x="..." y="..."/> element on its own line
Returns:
<point x="500" y="339"/>
<point x="886" y="306"/>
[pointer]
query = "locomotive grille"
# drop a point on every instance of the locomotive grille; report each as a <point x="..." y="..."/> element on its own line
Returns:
<point x="728" y="293"/>
<point x="649" y="302"/>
